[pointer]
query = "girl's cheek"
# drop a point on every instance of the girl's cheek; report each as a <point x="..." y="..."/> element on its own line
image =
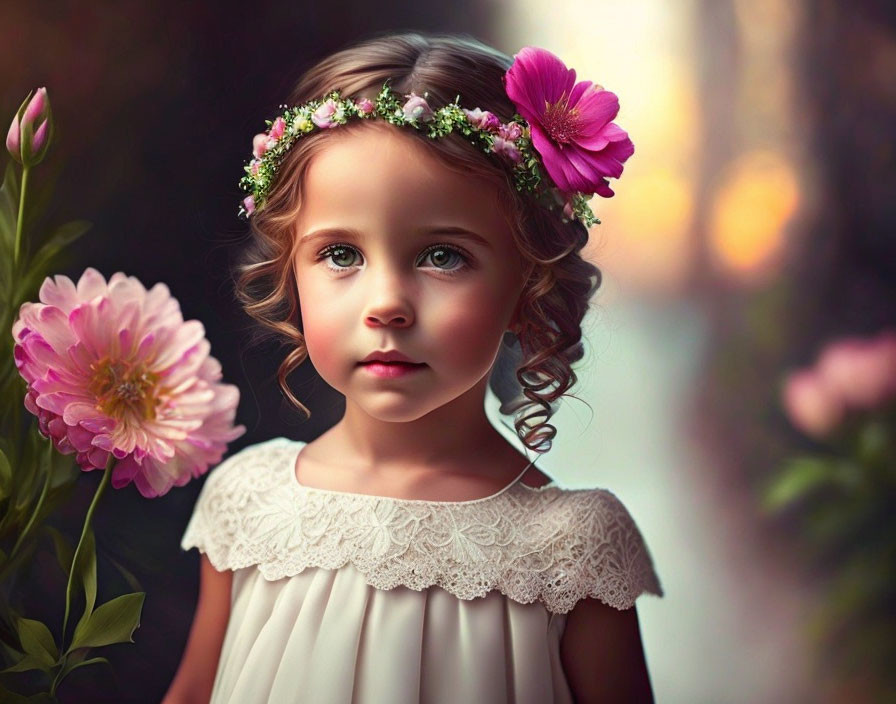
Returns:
<point x="324" y="338"/>
<point x="465" y="330"/>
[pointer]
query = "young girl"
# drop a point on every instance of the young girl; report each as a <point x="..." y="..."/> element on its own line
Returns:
<point x="407" y="229"/>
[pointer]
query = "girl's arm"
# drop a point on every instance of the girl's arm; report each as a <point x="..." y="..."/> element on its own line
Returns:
<point x="602" y="655"/>
<point x="194" y="679"/>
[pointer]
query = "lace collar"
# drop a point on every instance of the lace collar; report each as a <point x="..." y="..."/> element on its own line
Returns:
<point x="531" y="544"/>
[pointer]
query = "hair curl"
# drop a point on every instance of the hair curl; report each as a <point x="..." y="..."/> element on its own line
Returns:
<point x="560" y="282"/>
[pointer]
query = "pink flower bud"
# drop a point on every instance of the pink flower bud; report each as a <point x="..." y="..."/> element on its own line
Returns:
<point x="365" y="105"/>
<point x="256" y="163"/>
<point x="259" y="145"/>
<point x="510" y="130"/>
<point x="40" y="137"/>
<point x="810" y="405"/>
<point x="416" y="108"/>
<point x="37" y="107"/>
<point x="506" y="149"/>
<point x="323" y="116"/>
<point x="13" y="143"/>
<point x="249" y="204"/>
<point x="568" y="212"/>
<point x="278" y="128"/>
<point x="483" y="119"/>
<point x="31" y="129"/>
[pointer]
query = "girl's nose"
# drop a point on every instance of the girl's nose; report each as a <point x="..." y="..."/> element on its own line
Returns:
<point x="388" y="303"/>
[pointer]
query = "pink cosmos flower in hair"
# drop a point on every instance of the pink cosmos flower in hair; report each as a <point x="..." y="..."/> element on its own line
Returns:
<point x="570" y="122"/>
<point x="113" y="369"/>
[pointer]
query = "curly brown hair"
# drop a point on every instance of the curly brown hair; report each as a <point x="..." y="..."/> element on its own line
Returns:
<point x="560" y="283"/>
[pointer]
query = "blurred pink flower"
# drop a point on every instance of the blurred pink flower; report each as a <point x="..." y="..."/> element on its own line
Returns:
<point x="860" y="371"/>
<point x="114" y="368"/>
<point x="809" y="403"/>
<point x="506" y="148"/>
<point x="278" y="128"/>
<point x="570" y="122"/>
<point x="416" y="108"/>
<point x="365" y="105"/>
<point x="259" y="145"/>
<point x="323" y="116"/>
<point x="483" y="119"/>
<point x="510" y="130"/>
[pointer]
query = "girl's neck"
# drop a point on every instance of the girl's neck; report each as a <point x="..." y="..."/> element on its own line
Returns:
<point x="446" y="437"/>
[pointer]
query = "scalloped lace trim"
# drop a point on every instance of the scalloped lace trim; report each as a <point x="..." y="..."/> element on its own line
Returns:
<point x="549" y="544"/>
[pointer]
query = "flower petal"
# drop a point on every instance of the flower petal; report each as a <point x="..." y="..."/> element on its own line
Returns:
<point x="537" y="77"/>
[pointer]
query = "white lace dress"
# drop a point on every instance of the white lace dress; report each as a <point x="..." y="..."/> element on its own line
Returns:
<point x="341" y="598"/>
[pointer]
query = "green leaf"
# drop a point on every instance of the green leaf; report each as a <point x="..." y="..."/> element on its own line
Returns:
<point x="75" y="665"/>
<point x="64" y="551"/>
<point x="29" y="662"/>
<point x="113" y="622"/>
<point x="5" y="476"/>
<point x="39" y="264"/>
<point x="129" y="577"/>
<point x="9" y="208"/>
<point x="798" y="478"/>
<point x="85" y="571"/>
<point x="37" y="641"/>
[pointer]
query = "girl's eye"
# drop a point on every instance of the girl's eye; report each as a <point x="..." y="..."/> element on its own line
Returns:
<point x="341" y="255"/>
<point x="445" y="258"/>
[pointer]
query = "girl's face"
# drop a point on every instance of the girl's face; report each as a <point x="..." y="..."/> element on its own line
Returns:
<point x="395" y="252"/>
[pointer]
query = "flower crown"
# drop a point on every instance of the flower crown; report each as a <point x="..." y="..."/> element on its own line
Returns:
<point x="561" y="145"/>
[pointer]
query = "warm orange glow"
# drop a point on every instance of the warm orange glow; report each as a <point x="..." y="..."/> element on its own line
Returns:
<point x="751" y="208"/>
<point x="649" y="243"/>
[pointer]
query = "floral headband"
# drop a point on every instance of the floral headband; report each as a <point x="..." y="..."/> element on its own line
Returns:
<point x="562" y="127"/>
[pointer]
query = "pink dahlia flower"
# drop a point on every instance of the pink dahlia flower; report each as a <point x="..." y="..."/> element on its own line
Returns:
<point x="114" y="369"/>
<point x="570" y="122"/>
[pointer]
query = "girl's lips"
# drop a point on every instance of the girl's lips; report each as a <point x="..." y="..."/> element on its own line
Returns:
<point x="391" y="370"/>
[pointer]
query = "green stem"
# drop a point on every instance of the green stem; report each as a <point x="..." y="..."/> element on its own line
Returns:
<point x="21" y="216"/>
<point x="96" y="497"/>
<point x="40" y="503"/>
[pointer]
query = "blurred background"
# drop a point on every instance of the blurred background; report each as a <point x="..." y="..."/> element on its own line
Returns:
<point x="753" y="227"/>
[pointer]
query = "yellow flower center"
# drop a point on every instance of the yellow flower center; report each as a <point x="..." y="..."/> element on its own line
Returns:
<point x="123" y="389"/>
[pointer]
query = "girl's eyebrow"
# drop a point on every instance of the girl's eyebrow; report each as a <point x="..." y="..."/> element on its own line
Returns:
<point x="351" y="233"/>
